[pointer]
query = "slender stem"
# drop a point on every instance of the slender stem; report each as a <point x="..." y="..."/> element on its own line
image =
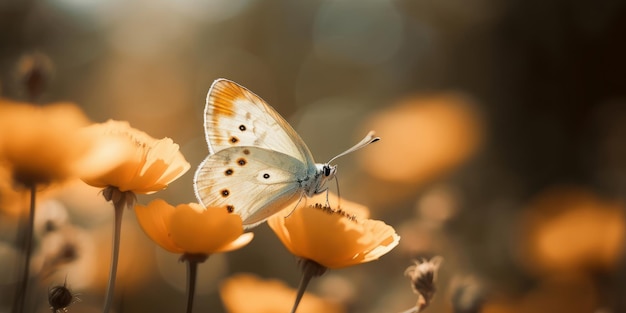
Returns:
<point x="192" y="273"/>
<point x="310" y="269"/>
<point x="304" y="282"/>
<point x="119" y="211"/>
<point x="192" y="260"/>
<point x="20" y="297"/>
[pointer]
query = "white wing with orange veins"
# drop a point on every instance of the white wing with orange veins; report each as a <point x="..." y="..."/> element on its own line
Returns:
<point x="236" y="117"/>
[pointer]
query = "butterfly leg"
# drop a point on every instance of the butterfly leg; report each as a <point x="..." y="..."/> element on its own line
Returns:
<point x="327" y="202"/>
<point x="297" y="203"/>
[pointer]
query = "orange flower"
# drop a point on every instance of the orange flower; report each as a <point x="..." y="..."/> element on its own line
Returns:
<point x="42" y="144"/>
<point x="149" y="164"/>
<point x="429" y="136"/>
<point x="332" y="237"/>
<point x="191" y="229"/>
<point x="571" y="229"/>
<point x="245" y="293"/>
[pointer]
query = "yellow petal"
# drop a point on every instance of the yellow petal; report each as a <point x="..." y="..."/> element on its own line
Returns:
<point x="198" y="230"/>
<point x="154" y="220"/>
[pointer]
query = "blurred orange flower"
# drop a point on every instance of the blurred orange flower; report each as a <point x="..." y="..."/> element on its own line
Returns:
<point x="569" y="229"/>
<point x="245" y="293"/>
<point x="149" y="164"/>
<point x="192" y="229"/>
<point x="428" y="135"/>
<point x="42" y="144"/>
<point x="332" y="237"/>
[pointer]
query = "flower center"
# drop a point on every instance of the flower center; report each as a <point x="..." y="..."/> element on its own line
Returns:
<point x="338" y="211"/>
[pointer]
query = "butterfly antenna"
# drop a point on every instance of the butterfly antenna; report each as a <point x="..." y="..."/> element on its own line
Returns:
<point x="369" y="138"/>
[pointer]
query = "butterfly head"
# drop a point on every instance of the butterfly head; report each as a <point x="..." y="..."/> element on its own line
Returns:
<point x="329" y="171"/>
<point x="324" y="173"/>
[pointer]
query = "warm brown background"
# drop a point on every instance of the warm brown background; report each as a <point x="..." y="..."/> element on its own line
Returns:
<point x="503" y="126"/>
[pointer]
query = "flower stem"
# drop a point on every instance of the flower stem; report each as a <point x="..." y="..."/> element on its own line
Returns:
<point x="304" y="282"/>
<point x="192" y="273"/>
<point x="310" y="269"/>
<point x="412" y="310"/>
<point x="119" y="211"/>
<point x="20" y="296"/>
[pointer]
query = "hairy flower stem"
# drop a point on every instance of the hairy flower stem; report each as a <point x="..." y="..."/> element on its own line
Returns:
<point x="310" y="269"/>
<point x="20" y="295"/>
<point x="119" y="211"/>
<point x="192" y="273"/>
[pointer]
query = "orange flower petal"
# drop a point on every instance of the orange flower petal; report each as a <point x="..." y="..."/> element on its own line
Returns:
<point x="198" y="230"/>
<point x="149" y="166"/>
<point x="190" y="228"/>
<point x="154" y="219"/>
<point x="331" y="238"/>
<point x="241" y="241"/>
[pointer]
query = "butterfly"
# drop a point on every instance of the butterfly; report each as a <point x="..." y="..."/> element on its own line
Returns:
<point x="257" y="163"/>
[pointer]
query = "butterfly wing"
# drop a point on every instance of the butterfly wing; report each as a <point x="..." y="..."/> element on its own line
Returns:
<point x="250" y="181"/>
<point x="235" y="117"/>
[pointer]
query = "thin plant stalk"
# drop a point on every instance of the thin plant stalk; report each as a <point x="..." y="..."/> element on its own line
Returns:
<point x="119" y="211"/>
<point x="304" y="282"/>
<point x="20" y="296"/>
<point x="310" y="269"/>
<point x="192" y="274"/>
<point x="412" y="310"/>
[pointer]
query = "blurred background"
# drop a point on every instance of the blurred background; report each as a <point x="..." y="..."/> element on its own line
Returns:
<point x="503" y="128"/>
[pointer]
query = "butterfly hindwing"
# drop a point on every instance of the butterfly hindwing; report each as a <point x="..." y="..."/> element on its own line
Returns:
<point x="250" y="181"/>
<point x="236" y="117"/>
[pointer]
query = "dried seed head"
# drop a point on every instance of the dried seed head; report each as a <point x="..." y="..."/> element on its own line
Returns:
<point x="60" y="297"/>
<point x="423" y="275"/>
<point x="34" y="71"/>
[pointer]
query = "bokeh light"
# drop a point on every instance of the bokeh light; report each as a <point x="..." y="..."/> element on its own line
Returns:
<point x="571" y="229"/>
<point x="423" y="137"/>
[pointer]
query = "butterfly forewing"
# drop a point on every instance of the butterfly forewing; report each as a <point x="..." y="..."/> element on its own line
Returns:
<point x="236" y="117"/>
<point x="250" y="181"/>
